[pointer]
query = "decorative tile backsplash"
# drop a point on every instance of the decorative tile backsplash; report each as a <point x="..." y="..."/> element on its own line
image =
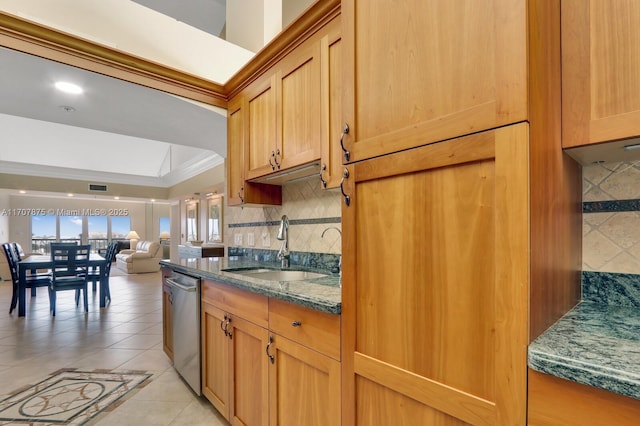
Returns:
<point x="310" y="210"/>
<point x="611" y="217"/>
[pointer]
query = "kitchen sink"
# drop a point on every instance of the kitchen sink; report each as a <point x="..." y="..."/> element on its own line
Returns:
<point x="276" y="274"/>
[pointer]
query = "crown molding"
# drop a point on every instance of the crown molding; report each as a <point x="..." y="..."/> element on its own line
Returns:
<point x="29" y="37"/>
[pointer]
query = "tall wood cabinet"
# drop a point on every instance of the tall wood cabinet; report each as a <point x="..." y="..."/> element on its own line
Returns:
<point x="462" y="236"/>
<point x="424" y="71"/>
<point x="600" y="71"/>
<point x="167" y="314"/>
<point x="435" y="259"/>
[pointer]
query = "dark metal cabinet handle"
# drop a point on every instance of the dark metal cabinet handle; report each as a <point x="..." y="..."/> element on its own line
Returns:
<point x="346" y="152"/>
<point x="271" y="357"/>
<point x="276" y="159"/>
<point x="240" y="196"/>
<point x="226" y="329"/>
<point x="322" y="169"/>
<point x="223" y="325"/>
<point x="347" y="198"/>
<point x="296" y="324"/>
<point x="273" y="155"/>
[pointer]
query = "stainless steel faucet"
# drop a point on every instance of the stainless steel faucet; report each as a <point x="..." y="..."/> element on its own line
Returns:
<point x="339" y="258"/>
<point x="283" y="235"/>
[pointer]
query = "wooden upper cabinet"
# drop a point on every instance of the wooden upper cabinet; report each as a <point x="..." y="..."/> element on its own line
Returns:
<point x="260" y="127"/>
<point x="298" y="106"/>
<point x="600" y="71"/>
<point x="240" y="192"/>
<point x="331" y="114"/>
<point x="425" y="71"/>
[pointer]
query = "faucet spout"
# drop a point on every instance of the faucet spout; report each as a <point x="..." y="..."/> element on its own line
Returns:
<point x="283" y="235"/>
<point x="339" y="258"/>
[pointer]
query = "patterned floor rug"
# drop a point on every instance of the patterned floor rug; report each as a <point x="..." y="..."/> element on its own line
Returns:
<point x="70" y="397"/>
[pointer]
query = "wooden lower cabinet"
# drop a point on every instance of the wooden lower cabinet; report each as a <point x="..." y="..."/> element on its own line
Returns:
<point x="253" y="376"/>
<point x="167" y="315"/>
<point x="304" y="386"/>
<point x="435" y="284"/>
<point x="216" y="379"/>
<point x="554" y="401"/>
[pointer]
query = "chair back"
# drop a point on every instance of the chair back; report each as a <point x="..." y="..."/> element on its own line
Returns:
<point x="11" y="260"/>
<point x="69" y="260"/>
<point x="109" y="257"/>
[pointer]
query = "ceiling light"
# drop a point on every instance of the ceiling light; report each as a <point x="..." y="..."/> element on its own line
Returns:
<point x="67" y="87"/>
<point x="116" y="198"/>
<point x="67" y="108"/>
<point x="22" y="191"/>
<point x="69" y="195"/>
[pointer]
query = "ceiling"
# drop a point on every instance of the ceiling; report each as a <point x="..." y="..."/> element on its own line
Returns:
<point x="115" y="131"/>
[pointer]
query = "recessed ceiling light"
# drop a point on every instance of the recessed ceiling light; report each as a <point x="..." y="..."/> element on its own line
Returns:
<point x="116" y="198"/>
<point x="67" y="108"/>
<point x="69" y="195"/>
<point x="67" y="87"/>
<point x="153" y="200"/>
<point x="22" y="191"/>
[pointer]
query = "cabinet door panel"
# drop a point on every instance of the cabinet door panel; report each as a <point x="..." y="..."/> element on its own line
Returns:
<point x="235" y="151"/>
<point x="304" y="386"/>
<point x="600" y="71"/>
<point x="260" y="126"/>
<point x="299" y="105"/>
<point x="439" y="310"/>
<point x="413" y="77"/>
<point x="215" y="361"/>
<point x="332" y="118"/>
<point x="250" y="373"/>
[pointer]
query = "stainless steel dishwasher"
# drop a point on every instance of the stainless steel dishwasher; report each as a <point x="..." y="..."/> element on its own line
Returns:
<point x="185" y="293"/>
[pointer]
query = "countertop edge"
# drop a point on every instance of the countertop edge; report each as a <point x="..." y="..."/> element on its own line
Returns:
<point x="298" y="299"/>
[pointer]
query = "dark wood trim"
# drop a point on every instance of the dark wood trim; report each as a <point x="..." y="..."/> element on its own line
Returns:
<point x="35" y="39"/>
<point x="314" y="18"/>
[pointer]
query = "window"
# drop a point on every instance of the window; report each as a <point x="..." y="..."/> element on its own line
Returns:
<point x="71" y="229"/>
<point x="120" y="227"/>
<point x="97" y="232"/>
<point x="165" y="225"/>
<point x="43" y="231"/>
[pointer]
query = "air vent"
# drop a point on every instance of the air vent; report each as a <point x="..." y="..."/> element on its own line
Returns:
<point x="96" y="187"/>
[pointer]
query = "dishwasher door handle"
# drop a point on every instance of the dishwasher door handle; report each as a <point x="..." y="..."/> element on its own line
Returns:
<point x="181" y="286"/>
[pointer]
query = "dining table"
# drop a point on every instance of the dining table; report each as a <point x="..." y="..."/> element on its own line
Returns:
<point x="34" y="262"/>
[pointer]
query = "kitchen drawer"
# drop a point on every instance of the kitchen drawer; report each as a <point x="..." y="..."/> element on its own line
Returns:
<point x="250" y="306"/>
<point x="314" y="329"/>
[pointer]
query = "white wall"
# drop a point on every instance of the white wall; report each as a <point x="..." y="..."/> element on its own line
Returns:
<point x="4" y="218"/>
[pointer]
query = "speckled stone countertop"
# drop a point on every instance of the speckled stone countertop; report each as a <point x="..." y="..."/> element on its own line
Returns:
<point x="322" y="294"/>
<point x="593" y="344"/>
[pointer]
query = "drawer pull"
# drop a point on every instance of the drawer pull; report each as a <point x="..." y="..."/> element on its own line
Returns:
<point x="296" y="323"/>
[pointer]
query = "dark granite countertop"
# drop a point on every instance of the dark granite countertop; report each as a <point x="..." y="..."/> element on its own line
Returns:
<point x="322" y="294"/>
<point x="593" y="344"/>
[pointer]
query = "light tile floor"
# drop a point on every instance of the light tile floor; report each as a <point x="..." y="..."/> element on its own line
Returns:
<point x="127" y="334"/>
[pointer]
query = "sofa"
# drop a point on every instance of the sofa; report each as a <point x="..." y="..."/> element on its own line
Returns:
<point x="145" y="258"/>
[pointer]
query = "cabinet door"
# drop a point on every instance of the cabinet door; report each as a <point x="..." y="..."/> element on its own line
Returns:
<point x="235" y="151"/>
<point x="250" y="378"/>
<point x="304" y="386"/>
<point x="298" y="106"/>
<point x="425" y="71"/>
<point x="600" y="71"/>
<point x="260" y="127"/>
<point x="435" y="284"/>
<point x="216" y="365"/>
<point x="332" y="118"/>
<point x="167" y="319"/>
<point x="241" y="192"/>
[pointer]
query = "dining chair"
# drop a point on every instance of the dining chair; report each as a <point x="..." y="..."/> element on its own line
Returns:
<point x="96" y="275"/>
<point x="32" y="281"/>
<point x="69" y="271"/>
<point x="19" y="255"/>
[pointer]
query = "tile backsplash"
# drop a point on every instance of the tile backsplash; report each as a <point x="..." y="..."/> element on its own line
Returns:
<point x="310" y="210"/>
<point x="611" y="217"/>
